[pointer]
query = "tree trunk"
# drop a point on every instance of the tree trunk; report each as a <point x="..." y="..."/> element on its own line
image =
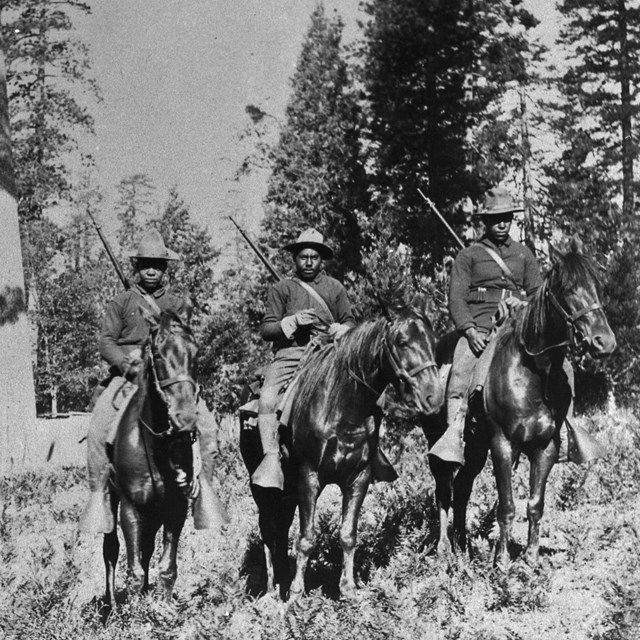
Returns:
<point x="625" y="115"/>
<point x="17" y="396"/>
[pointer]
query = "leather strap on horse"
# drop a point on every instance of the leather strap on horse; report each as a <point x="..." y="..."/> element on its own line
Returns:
<point x="316" y="296"/>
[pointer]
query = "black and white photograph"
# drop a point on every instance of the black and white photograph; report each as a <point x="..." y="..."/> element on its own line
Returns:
<point x="320" y="319"/>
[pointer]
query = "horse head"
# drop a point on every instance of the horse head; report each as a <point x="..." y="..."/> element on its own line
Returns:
<point x="409" y="357"/>
<point x="572" y="288"/>
<point x="172" y="369"/>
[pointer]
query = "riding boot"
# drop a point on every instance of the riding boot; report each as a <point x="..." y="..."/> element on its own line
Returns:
<point x="208" y="510"/>
<point x="97" y="516"/>
<point x="581" y="446"/>
<point x="450" y="445"/>
<point x="269" y="473"/>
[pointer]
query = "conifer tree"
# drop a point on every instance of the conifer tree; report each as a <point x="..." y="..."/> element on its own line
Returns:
<point x="433" y="73"/>
<point x="317" y="177"/>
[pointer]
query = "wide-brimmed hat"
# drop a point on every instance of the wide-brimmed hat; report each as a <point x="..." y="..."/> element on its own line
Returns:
<point x="152" y="247"/>
<point x="310" y="239"/>
<point x="498" y="201"/>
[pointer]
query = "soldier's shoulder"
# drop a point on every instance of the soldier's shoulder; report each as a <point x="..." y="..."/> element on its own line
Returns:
<point x="121" y="298"/>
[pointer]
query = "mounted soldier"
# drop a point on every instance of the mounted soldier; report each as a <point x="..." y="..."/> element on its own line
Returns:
<point x="306" y="309"/>
<point x="495" y="270"/>
<point x="124" y="333"/>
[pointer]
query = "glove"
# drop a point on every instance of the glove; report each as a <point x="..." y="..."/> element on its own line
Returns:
<point x="131" y="366"/>
<point x="303" y="318"/>
<point x="337" y="330"/>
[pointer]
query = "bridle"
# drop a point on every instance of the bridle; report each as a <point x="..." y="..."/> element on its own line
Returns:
<point x="160" y="385"/>
<point x="574" y="335"/>
<point x="403" y="376"/>
<point x="570" y="319"/>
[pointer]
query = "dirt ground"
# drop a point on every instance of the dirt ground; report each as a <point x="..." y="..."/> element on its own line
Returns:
<point x="586" y="587"/>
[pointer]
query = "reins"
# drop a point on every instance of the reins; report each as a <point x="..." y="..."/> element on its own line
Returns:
<point x="402" y="375"/>
<point x="570" y="322"/>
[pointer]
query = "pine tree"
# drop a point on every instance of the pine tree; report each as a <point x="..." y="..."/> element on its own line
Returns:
<point x="603" y="38"/>
<point x="433" y="73"/>
<point x="317" y="178"/>
<point x="49" y="82"/>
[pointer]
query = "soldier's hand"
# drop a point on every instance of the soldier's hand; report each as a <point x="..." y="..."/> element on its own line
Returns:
<point x="337" y="330"/>
<point x="131" y="367"/>
<point x="477" y="341"/>
<point x="306" y="317"/>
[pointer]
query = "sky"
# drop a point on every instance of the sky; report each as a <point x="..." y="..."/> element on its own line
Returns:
<point x="175" y="77"/>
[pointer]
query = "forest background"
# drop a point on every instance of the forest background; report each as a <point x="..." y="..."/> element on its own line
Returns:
<point x="450" y="97"/>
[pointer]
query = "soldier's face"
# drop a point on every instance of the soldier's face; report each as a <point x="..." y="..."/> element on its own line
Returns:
<point x="498" y="226"/>
<point x="151" y="272"/>
<point x="308" y="264"/>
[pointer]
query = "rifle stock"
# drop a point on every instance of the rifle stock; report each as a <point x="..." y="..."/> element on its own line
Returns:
<point x="261" y="256"/>
<point x="112" y="257"/>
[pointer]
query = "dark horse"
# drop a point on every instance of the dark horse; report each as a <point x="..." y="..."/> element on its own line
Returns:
<point x="276" y="509"/>
<point x="152" y="457"/>
<point x="334" y="418"/>
<point x="525" y="398"/>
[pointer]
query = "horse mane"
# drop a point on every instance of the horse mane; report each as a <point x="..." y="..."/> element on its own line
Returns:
<point x="170" y="319"/>
<point x="357" y="352"/>
<point x="572" y="270"/>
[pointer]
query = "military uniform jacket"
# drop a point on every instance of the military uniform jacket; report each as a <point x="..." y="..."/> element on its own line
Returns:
<point x="478" y="283"/>
<point x="124" y="328"/>
<point x="287" y="297"/>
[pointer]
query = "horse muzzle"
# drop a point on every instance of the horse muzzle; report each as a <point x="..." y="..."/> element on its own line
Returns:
<point x="599" y="342"/>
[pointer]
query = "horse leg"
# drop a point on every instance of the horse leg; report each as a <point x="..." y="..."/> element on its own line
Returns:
<point x="444" y="474"/>
<point x="267" y="503"/>
<point x="110" y="552"/>
<point x="462" y="487"/>
<point x="171" y="535"/>
<point x="352" y="498"/>
<point x="148" y="545"/>
<point x="132" y="528"/>
<point x="541" y="463"/>
<point x="308" y="492"/>
<point x="286" y="513"/>
<point x="501" y="455"/>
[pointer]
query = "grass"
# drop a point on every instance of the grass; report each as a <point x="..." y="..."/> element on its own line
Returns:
<point x="587" y="586"/>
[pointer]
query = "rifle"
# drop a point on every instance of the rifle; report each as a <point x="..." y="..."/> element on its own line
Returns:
<point x="263" y="258"/>
<point x="110" y="253"/>
<point x="444" y="222"/>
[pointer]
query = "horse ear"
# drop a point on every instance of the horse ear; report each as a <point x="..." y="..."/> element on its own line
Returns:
<point x="554" y="254"/>
<point x="186" y="311"/>
<point x="576" y="245"/>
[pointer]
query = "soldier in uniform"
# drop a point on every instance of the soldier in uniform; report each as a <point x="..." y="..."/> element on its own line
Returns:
<point x="299" y="310"/>
<point x="123" y="335"/>
<point x="495" y="269"/>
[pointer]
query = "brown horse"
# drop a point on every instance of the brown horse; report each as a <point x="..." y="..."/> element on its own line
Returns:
<point x="152" y="473"/>
<point x="334" y="418"/>
<point x="525" y="398"/>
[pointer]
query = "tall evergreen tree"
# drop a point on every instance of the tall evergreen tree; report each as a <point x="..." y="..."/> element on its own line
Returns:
<point x="433" y="72"/>
<point x="48" y="82"/>
<point x="601" y="86"/>
<point x="317" y="178"/>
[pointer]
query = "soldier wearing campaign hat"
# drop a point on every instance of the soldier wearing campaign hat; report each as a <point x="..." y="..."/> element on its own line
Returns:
<point x="494" y="269"/>
<point x="299" y="311"/>
<point x="124" y="332"/>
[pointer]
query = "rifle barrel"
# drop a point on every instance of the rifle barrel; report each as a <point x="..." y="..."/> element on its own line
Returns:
<point x="261" y="256"/>
<point x="441" y="217"/>
<point x="112" y="257"/>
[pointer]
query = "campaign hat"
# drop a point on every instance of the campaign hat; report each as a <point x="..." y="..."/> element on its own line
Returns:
<point x="310" y="239"/>
<point x="152" y="246"/>
<point x="498" y="201"/>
